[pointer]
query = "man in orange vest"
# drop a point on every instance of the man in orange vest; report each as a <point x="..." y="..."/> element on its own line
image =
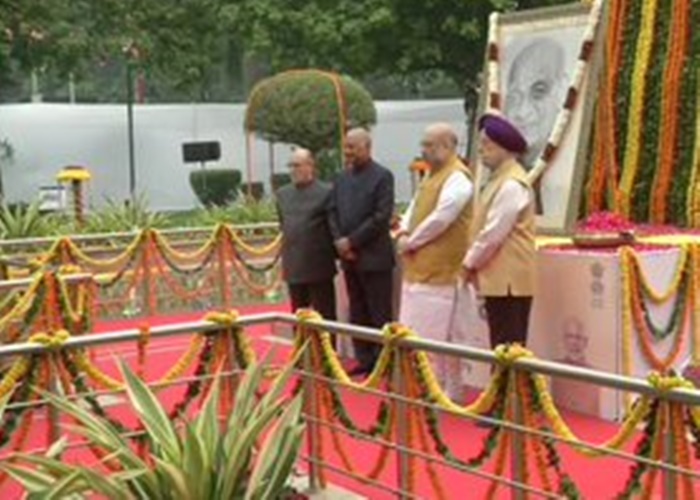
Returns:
<point x="433" y="241"/>
<point x="501" y="259"/>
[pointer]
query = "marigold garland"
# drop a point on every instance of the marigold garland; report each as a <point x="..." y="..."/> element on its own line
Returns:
<point x="694" y="184"/>
<point x="645" y="332"/>
<point x="103" y="380"/>
<point x="24" y="303"/>
<point x="657" y="449"/>
<point x="272" y="247"/>
<point x="671" y="96"/>
<point x="412" y="392"/>
<point x="20" y="367"/>
<point x="391" y="333"/>
<point x="631" y="320"/>
<point x="605" y="166"/>
<point x="499" y="467"/>
<point x="184" y="258"/>
<point x="491" y="439"/>
<point x="683" y="267"/>
<point x="634" y="131"/>
<point x="104" y="265"/>
<point x="681" y="452"/>
<point x="141" y="347"/>
<point x="636" y="416"/>
<point x="78" y="313"/>
<point x="681" y="306"/>
<point x="384" y="427"/>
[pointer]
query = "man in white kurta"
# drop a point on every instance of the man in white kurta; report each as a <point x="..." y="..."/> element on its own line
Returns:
<point x="433" y="241"/>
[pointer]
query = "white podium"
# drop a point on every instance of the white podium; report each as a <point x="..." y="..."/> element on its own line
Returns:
<point x="578" y="319"/>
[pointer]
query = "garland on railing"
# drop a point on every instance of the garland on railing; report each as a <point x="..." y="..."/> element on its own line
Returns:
<point x="149" y="249"/>
<point x="105" y="381"/>
<point x="545" y="453"/>
<point x="22" y="393"/>
<point x="229" y="347"/>
<point x="491" y="439"/>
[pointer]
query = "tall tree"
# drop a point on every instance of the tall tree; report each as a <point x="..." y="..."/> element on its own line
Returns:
<point x="366" y="37"/>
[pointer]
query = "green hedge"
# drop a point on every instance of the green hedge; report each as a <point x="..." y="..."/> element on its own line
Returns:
<point x="216" y="187"/>
<point x="279" y="180"/>
<point x="257" y="190"/>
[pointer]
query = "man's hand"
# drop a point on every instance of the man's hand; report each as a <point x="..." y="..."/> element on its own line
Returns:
<point x="402" y="245"/>
<point x="344" y="248"/>
<point x="469" y="276"/>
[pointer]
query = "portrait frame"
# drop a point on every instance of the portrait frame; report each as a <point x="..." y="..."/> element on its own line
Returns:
<point x="562" y="181"/>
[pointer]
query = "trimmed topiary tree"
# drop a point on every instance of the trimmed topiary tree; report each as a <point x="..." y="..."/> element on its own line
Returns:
<point x="309" y="108"/>
<point x="215" y="187"/>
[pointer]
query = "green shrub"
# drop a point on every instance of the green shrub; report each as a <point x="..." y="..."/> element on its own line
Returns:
<point x="254" y="212"/>
<point x="22" y="221"/>
<point x="251" y="455"/>
<point x="279" y="180"/>
<point x="244" y="211"/>
<point x="254" y="190"/>
<point x="117" y="217"/>
<point x="301" y="107"/>
<point x="215" y="187"/>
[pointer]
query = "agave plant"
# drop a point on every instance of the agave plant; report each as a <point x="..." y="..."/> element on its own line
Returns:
<point x="252" y="211"/>
<point x="119" y="217"/>
<point x="22" y="221"/>
<point x="249" y="456"/>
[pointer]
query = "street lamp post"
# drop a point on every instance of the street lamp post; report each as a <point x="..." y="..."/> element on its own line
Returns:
<point x="132" y="55"/>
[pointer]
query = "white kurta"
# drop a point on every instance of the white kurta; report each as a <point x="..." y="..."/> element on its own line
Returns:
<point x="432" y="310"/>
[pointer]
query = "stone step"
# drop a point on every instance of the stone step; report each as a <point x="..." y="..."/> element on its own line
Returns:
<point x="332" y="491"/>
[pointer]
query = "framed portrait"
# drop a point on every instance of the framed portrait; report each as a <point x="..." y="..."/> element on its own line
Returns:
<point x="532" y="63"/>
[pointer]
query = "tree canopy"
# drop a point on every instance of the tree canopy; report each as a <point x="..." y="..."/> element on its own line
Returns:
<point x="304" y="107"/>
<point x="194" y="47"/>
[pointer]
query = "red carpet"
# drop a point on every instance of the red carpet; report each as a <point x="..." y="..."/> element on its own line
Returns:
<point x="596" y="478"/>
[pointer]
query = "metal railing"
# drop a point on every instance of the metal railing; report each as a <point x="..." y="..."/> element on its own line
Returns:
<point x="128" y="235"/>
<point x="401" y="446"/>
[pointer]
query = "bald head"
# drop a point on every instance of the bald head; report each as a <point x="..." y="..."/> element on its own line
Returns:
<point x="358" y="147"/>
<point x="302" y="166"/>
<point x="439" y="144"/>
<point x="575" y="339"/>
<point x="302" y="155"/>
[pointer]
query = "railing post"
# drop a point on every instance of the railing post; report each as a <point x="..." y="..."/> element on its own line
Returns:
<point x="670" y="487"/>
<point x="311" y="424"/>
<point x="402" y="429"/>
<point x="517" y="439"/>
<point x="146" y="263"/>
<point x="222" y="240"/>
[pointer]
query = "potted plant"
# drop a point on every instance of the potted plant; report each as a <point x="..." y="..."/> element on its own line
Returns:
<point x="249" y="456"/>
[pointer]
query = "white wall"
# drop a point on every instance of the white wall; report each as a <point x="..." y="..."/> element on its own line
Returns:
<point x="46" y="137"/>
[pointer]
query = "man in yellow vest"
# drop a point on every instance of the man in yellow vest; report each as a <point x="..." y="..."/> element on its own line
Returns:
<point x="501" y="259"/>
<point x="433" y="241"/>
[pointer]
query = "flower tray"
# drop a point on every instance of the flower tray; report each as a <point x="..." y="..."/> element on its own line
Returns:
<point x="604" y="240"/>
